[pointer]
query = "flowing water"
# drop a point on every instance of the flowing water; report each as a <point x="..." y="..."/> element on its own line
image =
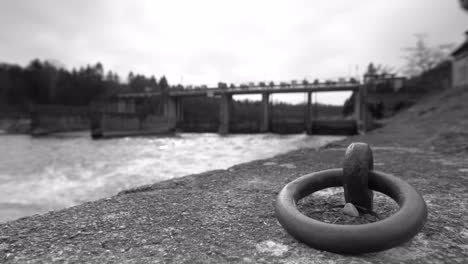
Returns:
<point x="50" y="173"/>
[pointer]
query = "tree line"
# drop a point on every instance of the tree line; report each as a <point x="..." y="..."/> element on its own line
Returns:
<point x="49" y="83"/>
<point x="45" y="82"/>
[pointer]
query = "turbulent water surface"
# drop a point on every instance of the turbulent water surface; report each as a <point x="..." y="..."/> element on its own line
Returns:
<point x="42" y="174"/>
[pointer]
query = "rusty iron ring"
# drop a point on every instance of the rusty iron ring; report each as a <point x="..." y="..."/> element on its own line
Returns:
<point x="351" y="239"/>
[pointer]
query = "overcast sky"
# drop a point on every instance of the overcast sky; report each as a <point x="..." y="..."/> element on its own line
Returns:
<point x="206" y="41"/>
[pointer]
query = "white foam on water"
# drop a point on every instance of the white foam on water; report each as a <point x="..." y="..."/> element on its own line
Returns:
<point x="37" y="175"/>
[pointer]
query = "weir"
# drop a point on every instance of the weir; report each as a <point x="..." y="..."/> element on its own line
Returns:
<point x="156" y="113"/>
<point x="149" y="113"/>
<point x="173" y="118"/>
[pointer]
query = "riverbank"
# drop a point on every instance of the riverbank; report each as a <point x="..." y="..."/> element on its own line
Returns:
<point x="228" y="216"/>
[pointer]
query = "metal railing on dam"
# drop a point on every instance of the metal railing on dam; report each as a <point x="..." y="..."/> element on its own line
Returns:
<point x="251" y="89"/>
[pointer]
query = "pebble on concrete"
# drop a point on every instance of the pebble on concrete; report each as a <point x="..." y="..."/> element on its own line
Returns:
<point x="350" y="209"/>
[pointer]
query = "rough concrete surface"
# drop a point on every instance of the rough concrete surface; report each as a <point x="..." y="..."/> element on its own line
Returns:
<point x="228" y="215"/>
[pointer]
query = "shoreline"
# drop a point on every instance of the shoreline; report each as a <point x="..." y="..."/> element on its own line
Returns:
<point x="225" y="216"/>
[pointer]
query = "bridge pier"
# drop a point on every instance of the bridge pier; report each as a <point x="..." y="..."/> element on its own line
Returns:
<point x="224" y="113"/>
<point x="179" y="110"/>
<point x="265" y="125"/>
<point x="307" y="116"/>
<point x="173" y="110"/>
<point x="360" y="110"/>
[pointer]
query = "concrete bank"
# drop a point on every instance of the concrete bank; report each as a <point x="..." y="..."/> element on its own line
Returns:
<point x="228" y="215"/>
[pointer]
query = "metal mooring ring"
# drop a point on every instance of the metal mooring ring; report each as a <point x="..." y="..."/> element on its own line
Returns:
<point x="351" y="239"/>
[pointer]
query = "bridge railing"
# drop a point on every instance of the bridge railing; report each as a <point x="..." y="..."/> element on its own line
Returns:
<point x="352" y="86"/>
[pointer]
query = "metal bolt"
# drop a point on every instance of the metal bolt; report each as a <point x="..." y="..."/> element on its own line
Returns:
<point x="357" y="163"/>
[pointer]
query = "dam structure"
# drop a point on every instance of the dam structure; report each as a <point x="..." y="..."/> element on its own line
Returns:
<point x="127" y="115"/>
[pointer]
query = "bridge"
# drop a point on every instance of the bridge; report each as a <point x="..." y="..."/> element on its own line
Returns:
<point x="173" y="106"/>
<point x="252" y="89"/>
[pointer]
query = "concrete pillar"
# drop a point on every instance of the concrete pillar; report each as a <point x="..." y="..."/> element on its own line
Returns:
<point x="307" y="115"/>
<point x="179" y="111"/>
<point x="357" y="107"/>
<point x="224" y="113"/>
<point x="170" y="110"/>
<point x="364" y="112"/>
<point x="265" y="125"/>
<point x="360" y="110"/>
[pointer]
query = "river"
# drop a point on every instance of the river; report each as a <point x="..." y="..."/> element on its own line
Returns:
<point x="50" y="173"/>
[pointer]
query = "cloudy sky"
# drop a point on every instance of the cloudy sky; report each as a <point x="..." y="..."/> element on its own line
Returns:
<point x="206" y="41"/>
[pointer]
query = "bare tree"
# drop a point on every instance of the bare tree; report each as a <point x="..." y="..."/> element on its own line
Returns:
<point x="385" y="70"/>
<point x="380" y="69"/>
<point x="422" y="57"/>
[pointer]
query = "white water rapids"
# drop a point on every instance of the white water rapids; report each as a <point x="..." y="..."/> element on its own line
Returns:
<point x="42" y="174"/>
